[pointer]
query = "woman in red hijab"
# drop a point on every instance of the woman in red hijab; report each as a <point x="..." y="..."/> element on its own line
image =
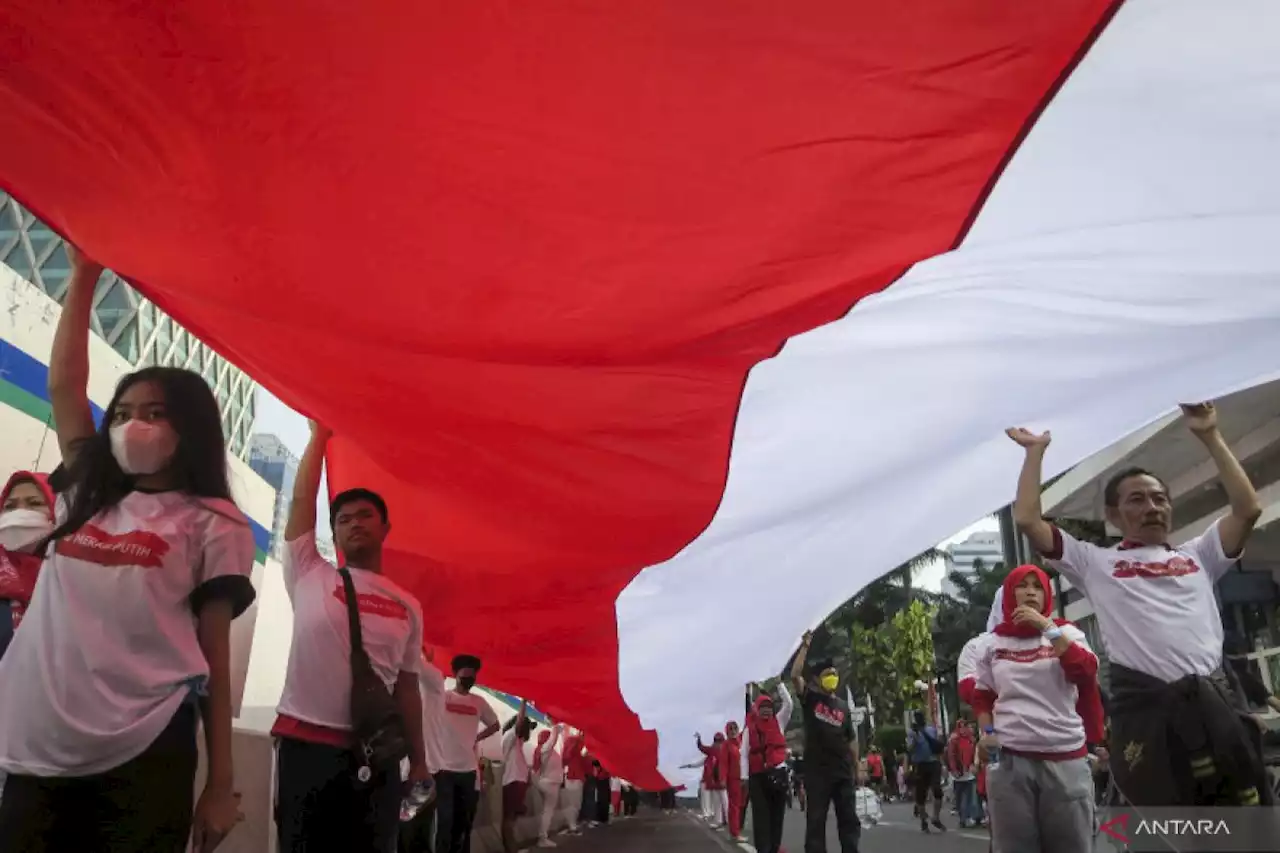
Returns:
<point x="1031" y="677"/>
<point x="26" y="518"/>
<point x="733" y="778"/>
<point x="716" y="803"/>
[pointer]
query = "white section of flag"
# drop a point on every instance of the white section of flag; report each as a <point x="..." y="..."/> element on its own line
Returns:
<point x="1128" y="259"/>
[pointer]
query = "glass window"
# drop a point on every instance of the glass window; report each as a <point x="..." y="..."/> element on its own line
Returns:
<point x="127" y="342"/>
<point x="180" y="339"/>
<point x="55" y="270"/>
<point x="20" y="261"/>
<point x="114" y="305"/>
<point x="42" y="240"/>
<point x="163" y="340"/>
<point x="9" y="225"/>
<point x="146" y="322"/>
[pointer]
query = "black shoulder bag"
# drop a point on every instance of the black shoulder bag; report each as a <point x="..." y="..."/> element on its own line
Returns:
<point x="376" y="725"/>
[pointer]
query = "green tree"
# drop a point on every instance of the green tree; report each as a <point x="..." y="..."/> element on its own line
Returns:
<point x="913" y="655"/>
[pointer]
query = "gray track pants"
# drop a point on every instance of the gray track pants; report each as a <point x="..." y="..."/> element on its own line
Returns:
<point x="1040" y="806"/>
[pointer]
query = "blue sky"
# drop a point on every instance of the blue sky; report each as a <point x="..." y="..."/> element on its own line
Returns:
<point x="291" y="428"/>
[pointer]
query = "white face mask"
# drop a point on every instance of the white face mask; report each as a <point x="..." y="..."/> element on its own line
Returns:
<point x="22" y="528"/>
<point x="142" y="448"/>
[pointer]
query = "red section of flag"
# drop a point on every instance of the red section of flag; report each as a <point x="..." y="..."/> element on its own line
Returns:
<point x="522" y="256"/>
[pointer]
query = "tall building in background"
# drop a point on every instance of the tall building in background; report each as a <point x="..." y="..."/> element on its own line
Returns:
<point x="134" y="328"/>
<point x="982" y="545"/>
<point x="276" y="464"/>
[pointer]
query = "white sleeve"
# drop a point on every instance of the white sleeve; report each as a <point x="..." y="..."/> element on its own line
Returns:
<point x="1075" y="635"/>
<point x="787" y="706"/>
<point x="431" y="679"/>
<point x="300" y="559"/>
<point x="967" y="665"/>
<point x="413" y="661"/>
<point x="227" y="553"/>
<point x="508" y="741"/>
<point x="1208" y="551"/>
<point x="1075" y="559"/>
<point x="983" y="677"/>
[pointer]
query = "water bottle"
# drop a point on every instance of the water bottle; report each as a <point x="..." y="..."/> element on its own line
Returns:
<point x="993" y="753"/>
<point x="419" y="795"/>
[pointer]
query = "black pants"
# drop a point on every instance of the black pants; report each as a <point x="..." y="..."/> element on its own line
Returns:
<point x="416" y="836"/>
<point x="838" y="793"/>
<point x="456" y="801"/>
<point x="630" y="802"/>
<point x="322" y="806"/>
<point x="587" y="813"/>
<point x="928" y="778"/>
<point x="604" y="800"/>
<point x="667" y="799"/>
<point x="142" y="805"/>
<point x="768" y="809"/>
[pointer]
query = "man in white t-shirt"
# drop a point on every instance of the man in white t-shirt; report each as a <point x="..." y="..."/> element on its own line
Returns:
<point x="326" y="797"/>
<point x="466" y="720"/>
<point x="1171" y="704"/>
<point x="515" y="775"/>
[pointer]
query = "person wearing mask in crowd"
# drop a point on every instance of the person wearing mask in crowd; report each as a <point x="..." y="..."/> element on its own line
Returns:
<point x="320" y="797"/>
<point x="715" y="805"/>
<point x="1028" y="686"/>
<point x="767" y="761"/>
<point x="924" y="750"/>
<point x="575" y="775"/>
<point x="961" y="762"/>
<point x="744" y="773"/>
<point x="26" y="518"/>
<point x="515" y="775"/>
<point x="615" y="795"/>
<point x="875" y="772"/>
<point x="733" y="767"/>
<point x="830" y="755"/>
<point x="467" y="720"/>
<point x="128" y="635"/>
<point x="604" y="786"/>
<point x="1179" y="739"/>
<point x="548" y="770"/>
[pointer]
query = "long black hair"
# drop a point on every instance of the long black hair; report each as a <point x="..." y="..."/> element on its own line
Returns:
<point x="95" y="479"/>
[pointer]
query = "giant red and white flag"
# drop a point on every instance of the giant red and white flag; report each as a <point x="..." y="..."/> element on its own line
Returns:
<point x="667" y="325"/>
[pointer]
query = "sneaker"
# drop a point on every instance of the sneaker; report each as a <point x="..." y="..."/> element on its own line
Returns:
<point x="924" y="827"/>
<point x="547" y="842"/>
<point x="937" y="824"/>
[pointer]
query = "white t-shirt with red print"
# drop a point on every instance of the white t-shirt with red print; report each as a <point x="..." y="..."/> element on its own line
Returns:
<point x="1155" y="604"/>
<point x="317" y="682"/>
<point x="460" y="720"/>
<point x="1035" y="709"/>
<point x="108" y="650"/>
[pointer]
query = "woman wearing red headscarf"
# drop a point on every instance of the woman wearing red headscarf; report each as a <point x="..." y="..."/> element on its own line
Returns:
<point x="733" y="778"/>
<point x="716" y="804"/>
<point x="26" y="518"/>
<point x="1031" y="676"/>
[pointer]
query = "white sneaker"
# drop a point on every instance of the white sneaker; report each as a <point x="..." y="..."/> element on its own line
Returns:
<point x="547" y="842"/>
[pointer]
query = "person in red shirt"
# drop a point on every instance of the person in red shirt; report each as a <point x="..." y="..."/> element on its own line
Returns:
<point x="26" y="518"/>
<point x="767" y="764"/>
<point x="713" y="781"/>
<point x="733" y="778"/>
<point x="875" y="771"/>
<point x="960" y="756"/>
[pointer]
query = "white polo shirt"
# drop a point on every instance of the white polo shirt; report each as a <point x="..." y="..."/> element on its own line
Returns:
<point x="1155" y="605"/>
<point x="317" y="681"/>
<point x="108" y="650"/>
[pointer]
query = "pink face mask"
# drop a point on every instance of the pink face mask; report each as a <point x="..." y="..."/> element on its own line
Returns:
<point x="142" y="448"/>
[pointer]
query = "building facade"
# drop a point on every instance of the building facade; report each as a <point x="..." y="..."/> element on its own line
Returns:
<point x="984" y="546"/>
<point x="137" y="330"/>
<point x="276" y="464"/>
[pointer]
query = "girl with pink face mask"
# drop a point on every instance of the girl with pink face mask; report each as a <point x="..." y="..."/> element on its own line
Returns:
<point x="127" y="638"/>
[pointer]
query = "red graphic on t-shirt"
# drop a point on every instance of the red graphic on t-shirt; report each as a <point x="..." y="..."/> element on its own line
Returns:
<point x="1174" y="567"/>
<point x="1025" y="655"/>
<point x="829" y="715"/>
<point x="461" y="708"/>
<point x="374" y="605"/>
<point x="92" y="544"/>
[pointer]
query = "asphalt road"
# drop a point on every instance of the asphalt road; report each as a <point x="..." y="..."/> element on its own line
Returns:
<point x="651" y="832"/>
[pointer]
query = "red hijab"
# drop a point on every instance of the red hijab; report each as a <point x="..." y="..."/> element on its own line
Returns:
<point x="1007" y="627"/>
<point x="19" y="569"/>
<point x="1089" y="698"/>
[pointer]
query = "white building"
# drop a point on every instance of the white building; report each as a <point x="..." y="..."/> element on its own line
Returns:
<point x="960" y="556"/>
